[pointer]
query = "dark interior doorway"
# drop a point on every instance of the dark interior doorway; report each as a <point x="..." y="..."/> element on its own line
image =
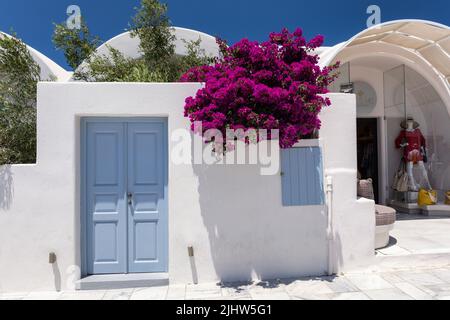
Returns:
<point x="368" y="151"/>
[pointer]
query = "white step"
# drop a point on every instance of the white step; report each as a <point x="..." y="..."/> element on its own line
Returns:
<point x="411" y="208"/>
<point x="439" y="210"/>
<point x="123" y="281"/>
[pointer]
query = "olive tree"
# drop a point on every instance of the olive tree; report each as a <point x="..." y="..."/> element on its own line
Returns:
<point x="19" y="75"/>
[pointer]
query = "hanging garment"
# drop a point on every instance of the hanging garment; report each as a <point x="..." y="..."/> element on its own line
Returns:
<point x="413" y="185"/>
<point x="415" y="142"/>
<point x="401" y="179"/>
<point x="403" y="183"/>
<point x="401" y="172"/>
<point x="367" y="160"/>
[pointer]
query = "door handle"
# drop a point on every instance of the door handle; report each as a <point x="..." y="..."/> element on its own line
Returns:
<point x="130" y="198"/>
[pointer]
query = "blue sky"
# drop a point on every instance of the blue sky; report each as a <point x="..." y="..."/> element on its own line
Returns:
<point x="230" y="19"/>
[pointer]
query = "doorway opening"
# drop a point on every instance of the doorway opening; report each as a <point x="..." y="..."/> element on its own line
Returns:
<point x="401" y="91"/>
<point x="367" y="144"/>
<point x="124" y="168"/>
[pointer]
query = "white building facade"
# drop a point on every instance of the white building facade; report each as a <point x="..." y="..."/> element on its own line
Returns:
<point x="204" y="223"/>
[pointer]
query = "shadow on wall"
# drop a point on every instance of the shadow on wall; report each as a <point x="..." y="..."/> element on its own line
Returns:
<point x="251" y="235"/>
<point x="232" y="219"/>
<point x="6" y="187"/>
<point x="337" y="259"/>
<point x="57" y="276"/>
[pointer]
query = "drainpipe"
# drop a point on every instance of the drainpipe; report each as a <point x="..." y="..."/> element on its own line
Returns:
<point x="330" y="227"/>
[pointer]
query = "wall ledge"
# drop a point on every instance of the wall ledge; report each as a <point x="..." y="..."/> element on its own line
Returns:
<point x="307" y="143"/>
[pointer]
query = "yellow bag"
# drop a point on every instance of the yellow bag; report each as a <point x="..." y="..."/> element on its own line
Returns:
<point x="427" y="197"/>
<point x="447" y="198"/>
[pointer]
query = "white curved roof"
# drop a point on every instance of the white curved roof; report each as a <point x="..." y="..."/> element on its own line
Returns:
<point x="422" y="45"/>
<point x="129" y="46"/>
<point x="49" y="68"/>
<point x="428" y="40"/>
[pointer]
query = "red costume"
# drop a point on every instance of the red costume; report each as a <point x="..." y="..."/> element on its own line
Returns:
<point x="415" y="141"/>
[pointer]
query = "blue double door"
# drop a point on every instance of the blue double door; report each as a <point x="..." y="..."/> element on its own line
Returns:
<point x="126" y="207"/>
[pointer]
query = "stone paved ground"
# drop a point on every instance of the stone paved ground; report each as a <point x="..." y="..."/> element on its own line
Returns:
<point x="415" y="284"/>
<point x="418" y="234"/>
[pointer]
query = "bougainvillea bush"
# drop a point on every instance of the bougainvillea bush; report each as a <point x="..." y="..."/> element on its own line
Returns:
<point x="276" y="84"/>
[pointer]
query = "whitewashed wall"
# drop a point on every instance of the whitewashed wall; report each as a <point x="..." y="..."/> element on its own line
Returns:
<point x="232" y="215"/>
<point x="354" y="219"/>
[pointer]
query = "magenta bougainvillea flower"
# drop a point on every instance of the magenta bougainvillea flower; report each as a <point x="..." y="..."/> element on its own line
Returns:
<point x="276" y="84"/>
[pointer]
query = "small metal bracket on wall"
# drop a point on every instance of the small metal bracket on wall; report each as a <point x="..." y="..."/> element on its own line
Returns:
<point x="52" y="258"/>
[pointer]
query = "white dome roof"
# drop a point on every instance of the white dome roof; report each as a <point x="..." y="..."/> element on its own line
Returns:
<point x="129" y="46"/>
<point x="49" y="68"/>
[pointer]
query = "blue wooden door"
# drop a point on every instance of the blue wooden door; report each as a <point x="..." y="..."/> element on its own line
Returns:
<point x="147" y="188"/>
<point x="106" y="204"/>
<point x="126" y="196"/>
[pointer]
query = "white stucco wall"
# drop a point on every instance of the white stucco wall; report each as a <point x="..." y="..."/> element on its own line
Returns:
<point x="374" y="77"/>
<point x="354" y="220"/>
<point x="231" y="214"/>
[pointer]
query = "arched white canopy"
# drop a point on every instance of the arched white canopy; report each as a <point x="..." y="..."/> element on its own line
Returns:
<point x="49" y="68"/>
<point x="422" y="45"/>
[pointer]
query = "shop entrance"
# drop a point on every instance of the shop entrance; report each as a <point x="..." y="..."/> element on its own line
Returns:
<point x="367" y="133"/>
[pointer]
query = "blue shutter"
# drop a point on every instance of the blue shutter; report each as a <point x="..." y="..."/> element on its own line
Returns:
<point x="302" y="177"/>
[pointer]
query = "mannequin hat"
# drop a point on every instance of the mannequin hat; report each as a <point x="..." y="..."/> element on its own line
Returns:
<point x="404" y="123"/>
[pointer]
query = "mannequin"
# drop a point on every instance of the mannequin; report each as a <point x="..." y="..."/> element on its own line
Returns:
<point x="413" y="143"/>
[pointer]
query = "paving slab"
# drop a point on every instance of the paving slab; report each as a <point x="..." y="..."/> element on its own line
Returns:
<point x="422" y="278"/>
<point x="176" y="292"/>
<point x="83" y="295"/>
<point x="366" y="282"/>
<point x="122" y="294"/>
<point x="155" y="293"/>
<point x="358" y="296"/>
<point x="415" y="292"/>
<point x="388" y="294"/>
